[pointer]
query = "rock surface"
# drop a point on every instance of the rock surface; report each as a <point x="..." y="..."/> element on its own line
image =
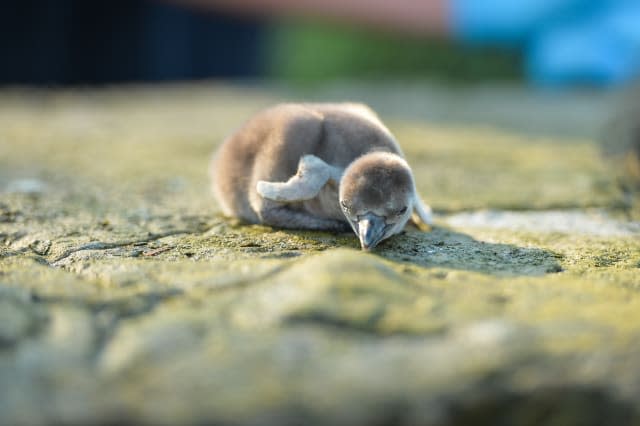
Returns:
<point x="125" y="296"/>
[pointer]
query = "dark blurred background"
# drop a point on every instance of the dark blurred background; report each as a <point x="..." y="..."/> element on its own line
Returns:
<point x="75" y="42"/>
<point x="71" y="42"/>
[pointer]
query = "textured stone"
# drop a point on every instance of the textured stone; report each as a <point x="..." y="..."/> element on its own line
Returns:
<point x="126" y="297"/>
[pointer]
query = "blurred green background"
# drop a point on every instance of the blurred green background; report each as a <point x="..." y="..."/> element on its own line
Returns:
<point x="313" y="52"/>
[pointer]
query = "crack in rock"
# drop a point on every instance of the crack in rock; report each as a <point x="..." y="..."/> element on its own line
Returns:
<point x="99" y="245"/>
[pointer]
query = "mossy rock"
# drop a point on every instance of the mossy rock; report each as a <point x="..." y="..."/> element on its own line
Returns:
<point x="126" y="297"/>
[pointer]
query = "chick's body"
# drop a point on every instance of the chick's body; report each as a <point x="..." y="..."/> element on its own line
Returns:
<point x="269" y="146"/>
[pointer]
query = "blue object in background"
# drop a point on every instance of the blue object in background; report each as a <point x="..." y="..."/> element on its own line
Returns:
<point x="593" y="42"/>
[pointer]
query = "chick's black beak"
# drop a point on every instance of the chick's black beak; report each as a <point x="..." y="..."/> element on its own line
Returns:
<point x="371" y="229"/>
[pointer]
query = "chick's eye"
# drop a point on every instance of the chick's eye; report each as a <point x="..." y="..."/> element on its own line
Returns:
<point x="344" y="205"/>
<point x="402" y="210"/>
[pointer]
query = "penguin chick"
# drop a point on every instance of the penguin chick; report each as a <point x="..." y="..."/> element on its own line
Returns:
<point x="378" y="197"/>
<point x="319" y="167"/>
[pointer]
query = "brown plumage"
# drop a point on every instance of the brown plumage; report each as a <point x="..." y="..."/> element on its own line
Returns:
<point x="291" y="165"/>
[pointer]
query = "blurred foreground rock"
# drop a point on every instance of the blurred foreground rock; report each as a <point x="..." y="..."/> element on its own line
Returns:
<point x="124" y="296"/>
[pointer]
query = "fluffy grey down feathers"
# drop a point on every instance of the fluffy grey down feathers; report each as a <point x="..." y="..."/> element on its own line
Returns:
<point x="318" y="166"/>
